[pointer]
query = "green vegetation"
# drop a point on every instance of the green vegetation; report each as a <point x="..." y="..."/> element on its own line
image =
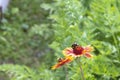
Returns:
<point x="33" y="34"/>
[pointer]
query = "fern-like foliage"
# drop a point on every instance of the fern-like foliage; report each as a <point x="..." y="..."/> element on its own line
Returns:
<point x="89" y="22"/>
<point x="17" y="72"/>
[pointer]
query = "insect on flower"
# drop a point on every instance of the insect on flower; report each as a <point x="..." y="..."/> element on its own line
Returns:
<point x="71" y="53"/>
<point x="59" y="59"/>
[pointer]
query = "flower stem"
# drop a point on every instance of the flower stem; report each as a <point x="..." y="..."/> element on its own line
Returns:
<point x="66" y="73"/>
<point x="82" y="73"/>
<point x="81" y="70"/>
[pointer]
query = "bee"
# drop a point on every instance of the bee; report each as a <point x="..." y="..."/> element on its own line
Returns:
<point x="59" y="59"/>
<point x="77" y="49"/>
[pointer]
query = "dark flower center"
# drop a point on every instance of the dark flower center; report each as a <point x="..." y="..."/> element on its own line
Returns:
<point x="78" y="50"/>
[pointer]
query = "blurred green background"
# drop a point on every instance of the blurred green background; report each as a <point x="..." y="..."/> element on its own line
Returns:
<point x="33" y="34"/>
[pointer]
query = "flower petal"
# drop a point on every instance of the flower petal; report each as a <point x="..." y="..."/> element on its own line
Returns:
<point x="88" y="48"/>
<point x="62" y="62"/>
<point x="88" y="55"/>
<point x="68" y="52"/>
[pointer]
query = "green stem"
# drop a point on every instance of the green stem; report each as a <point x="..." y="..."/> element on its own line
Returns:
<point x="82" y="73"/>
<point x="66" y="73"/>
<point x="81" y="70"/>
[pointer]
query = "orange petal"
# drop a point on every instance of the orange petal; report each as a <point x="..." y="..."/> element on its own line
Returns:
<point x="68" y="52"/>
<point x="88" y="48"/>
<point x="62" y="62"/>
<point x="88" y="55"/>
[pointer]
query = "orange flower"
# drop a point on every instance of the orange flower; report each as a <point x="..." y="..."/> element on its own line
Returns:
<point x="71" y="53"/>
<point x="63" y="61"/>
<point x="77" y="51"/>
